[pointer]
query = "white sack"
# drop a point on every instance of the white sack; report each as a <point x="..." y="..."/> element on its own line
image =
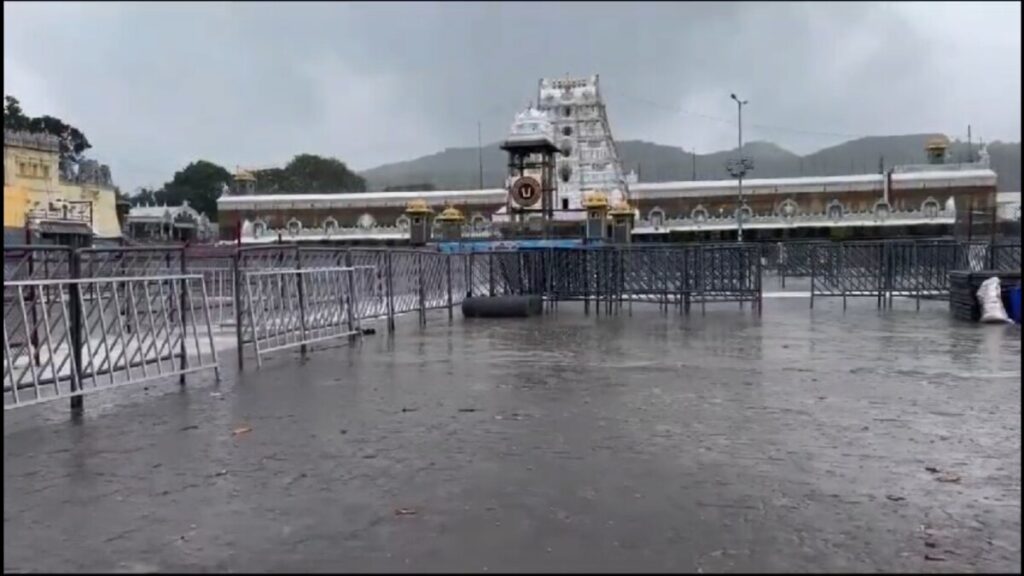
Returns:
<point x="991" y="300"/>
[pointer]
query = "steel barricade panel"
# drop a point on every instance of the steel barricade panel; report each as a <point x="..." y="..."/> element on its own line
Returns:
<point x="36" y="262"/>
<point x="405" y="281"/>
<point x="131" y="261"/>
<point x="1006" y="257"/>
<point x="434" y="271"/>
<point x="728" y="274"/>
<point x="293" y="308"/>
<point x="848" y="269"/>
<point x="459" y="276"/>
<point x="371" y="284"/>
<point x="131" y="330"/>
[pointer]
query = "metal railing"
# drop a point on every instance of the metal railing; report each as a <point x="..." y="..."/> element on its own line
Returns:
<point x="36" y="262"/>
<point x="679" y="275"/>
<point x="386" y="283"/>
<point x="887" y="269"/>
<point x="220" y="290"/>
<point x="64" y="338"/>
<point x="284" y="296"/>
<point x="292" y="308"/>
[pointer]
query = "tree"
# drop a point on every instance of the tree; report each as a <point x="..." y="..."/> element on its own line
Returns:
<point x="272" y="181"/>
<point x="73" y="142"/>
<point x="315" y="174"/>
<point x="310" y="174"/>
<point x="200" y="184"/>
<point x="144" y="197"/>
<point x="14" y="117"/>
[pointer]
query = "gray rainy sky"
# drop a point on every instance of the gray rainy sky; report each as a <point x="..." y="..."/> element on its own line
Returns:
<point x="155" y="86"/>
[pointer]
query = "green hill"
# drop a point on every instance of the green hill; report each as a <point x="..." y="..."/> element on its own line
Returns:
<point x="457" y="168"/>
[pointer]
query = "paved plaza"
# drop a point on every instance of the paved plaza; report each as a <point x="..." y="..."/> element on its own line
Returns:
<point x="798" y="440"/>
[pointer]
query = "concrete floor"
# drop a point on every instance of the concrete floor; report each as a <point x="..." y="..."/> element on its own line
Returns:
<point x="801" y="440"/>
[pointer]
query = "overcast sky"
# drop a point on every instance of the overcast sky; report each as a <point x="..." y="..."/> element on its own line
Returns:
<point x="155" y="86"/>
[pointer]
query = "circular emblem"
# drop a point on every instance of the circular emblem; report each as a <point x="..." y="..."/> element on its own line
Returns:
<point x="526" y="191"/>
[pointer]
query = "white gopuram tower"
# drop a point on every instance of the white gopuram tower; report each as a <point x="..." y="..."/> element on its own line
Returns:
<point x="589" y="161"/>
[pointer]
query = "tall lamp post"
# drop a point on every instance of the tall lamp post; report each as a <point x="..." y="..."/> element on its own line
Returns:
<point x="738" y="167"/>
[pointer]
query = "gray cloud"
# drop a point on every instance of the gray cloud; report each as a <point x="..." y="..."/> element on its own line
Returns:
<point x="158" y="85"/>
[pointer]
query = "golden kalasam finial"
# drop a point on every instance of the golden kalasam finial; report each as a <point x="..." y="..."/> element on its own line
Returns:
<point x="595" y="200"/>
<point x="451" y="214"/>
<point x="417" y="206"/>
<point x="937" y="143"/>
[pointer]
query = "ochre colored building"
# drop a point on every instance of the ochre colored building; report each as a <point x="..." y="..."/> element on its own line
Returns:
<point x="38" y="198"/>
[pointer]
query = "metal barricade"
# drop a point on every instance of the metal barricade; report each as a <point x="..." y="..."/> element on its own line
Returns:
<point x="1005" y="257"/>
<point x="37" y="262"/>
<point x="132" y="261"/>
<point x="886" y="269"/>
<point x="220" y="290"/>
<point x="848" y="270"/>
<point x="294" y="308"/>
<point x="405" y="288"/>
<point x="70" y="337"/>
<point x="919" y="269"/>
<point x="729" y="274"/>
<point x="371" y="282"/>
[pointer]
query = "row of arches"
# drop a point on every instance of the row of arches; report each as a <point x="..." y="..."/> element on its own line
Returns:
<point x="366" y="221"/>
<point x="835" y="210"/>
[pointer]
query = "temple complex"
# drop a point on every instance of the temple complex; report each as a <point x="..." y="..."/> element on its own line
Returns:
<point x="905" y="201"/>
<point x="561" y="150"/>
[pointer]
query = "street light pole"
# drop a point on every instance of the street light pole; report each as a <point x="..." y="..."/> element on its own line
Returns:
<point x="740" y="170"/>
<point x="480" y="155"/>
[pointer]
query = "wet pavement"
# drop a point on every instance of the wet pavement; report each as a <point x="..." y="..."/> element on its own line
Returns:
<point x="801" y="440"/>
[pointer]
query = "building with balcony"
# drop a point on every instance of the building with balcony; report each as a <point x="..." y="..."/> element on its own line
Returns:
<point x="42" y="202"/>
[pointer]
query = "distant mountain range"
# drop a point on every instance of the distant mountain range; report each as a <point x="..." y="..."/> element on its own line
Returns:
<point x="457" y="168"/>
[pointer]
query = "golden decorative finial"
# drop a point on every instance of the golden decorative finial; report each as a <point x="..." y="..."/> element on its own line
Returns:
<point x="595" y="200"/>
<point x="244" y="175"/>
<point x="451" y="214"/>
<point x="418" y="206"/>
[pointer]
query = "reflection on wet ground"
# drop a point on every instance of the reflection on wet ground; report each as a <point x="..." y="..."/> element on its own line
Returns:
<point x="800" y="440"/>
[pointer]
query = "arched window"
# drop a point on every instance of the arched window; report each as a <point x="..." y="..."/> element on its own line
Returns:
<point x="330" y="225"/>
<point x="366" y="221"/>
<point x="657" y="217"/>
<point x="700" y="214"/>
<point x="788" y="208"/>
<point x="930" y="208"/>
<point x="294" y="227"/>
<point x="835" y="210"/>
<point x="882" y="210"/>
